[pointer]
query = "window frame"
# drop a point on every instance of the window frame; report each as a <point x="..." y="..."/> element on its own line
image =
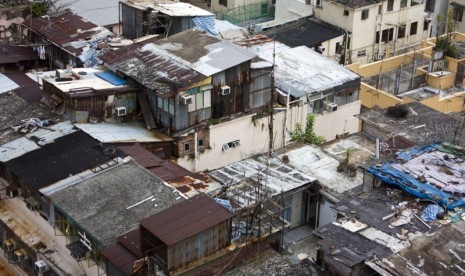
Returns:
<point x="365" y="14"/>
<point x="414" y="31"/>
<point x="390" y="5"/>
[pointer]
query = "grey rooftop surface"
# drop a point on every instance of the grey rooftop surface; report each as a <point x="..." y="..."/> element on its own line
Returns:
<point x="271" y="262"/>
<point x="114" y="201"/>
<point x="99" y="12"/>
<point x="357" y="4"/>
<point x="316" y="163"/>
<point x="423" y="124"/>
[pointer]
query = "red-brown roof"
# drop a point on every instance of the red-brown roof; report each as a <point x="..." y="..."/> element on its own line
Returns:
<point x="64" y="29"/>
<point x="186" y="219"/>
<point x="120" y="257"/>
<point x="164" y="169"/>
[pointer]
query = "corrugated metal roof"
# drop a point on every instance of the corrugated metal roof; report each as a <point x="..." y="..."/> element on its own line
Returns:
<point x="186" y="219"/>
<point x="7" y="84"/>
<point x="301" y="71"/>
<point x="123" y="133"/>
<point x="151" y="69"/>
<point x="23" y="145"/>
<point x="68" y="30"/>
<point x="171" y="8"/>
<point x="99" y="12"/>
<point x="120" y="257"/>
<point x="275" y="175"/>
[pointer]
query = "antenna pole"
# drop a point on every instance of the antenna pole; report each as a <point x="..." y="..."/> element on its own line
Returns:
<point x="270" y="127"/>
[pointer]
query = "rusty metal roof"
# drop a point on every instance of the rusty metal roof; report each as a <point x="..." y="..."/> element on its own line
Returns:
<point x="153" y="70"/>
<point x="67" y="30"/>
<point x="186" y="219"/>
<point x="121" y="257"/>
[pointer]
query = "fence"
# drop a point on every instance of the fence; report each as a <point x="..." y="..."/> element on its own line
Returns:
<point x="247" y="14"/>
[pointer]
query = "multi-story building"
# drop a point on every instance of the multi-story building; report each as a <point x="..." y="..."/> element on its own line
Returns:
<point x="379" y="28"/>
<point x="457" y="8"/>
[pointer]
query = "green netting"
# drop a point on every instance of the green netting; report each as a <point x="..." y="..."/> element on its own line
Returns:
<point x="243" y="14"/>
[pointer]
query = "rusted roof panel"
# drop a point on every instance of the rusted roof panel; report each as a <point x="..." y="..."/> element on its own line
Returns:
<point x="153" y="70"/>
<point x="131" y="241"/>
<point x="68" y="30"/>
<point x="186" y="219"/>
<point x="121" y="257"/>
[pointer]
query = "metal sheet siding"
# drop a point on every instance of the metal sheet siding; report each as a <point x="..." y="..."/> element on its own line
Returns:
<point x="196" y="247"/>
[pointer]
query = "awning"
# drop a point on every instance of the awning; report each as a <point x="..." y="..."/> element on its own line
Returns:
<point x="77" y="249"/>
<point x="111" y="78"/>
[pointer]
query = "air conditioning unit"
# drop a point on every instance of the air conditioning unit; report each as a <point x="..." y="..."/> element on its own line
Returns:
<point x="20" y="255"/>
<point x="225" y="90"/>
<point x="41" y="266"/>
<point x="321" y="49"/>
<point x="329" y="106"/>
<point x="9" y="245"/>
<point x="60" y="74"/>
<point x="186" y="99"/>
<point x="120" y="111"/>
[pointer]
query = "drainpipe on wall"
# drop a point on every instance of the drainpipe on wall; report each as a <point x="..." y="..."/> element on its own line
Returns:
<point x="196" y="154"/>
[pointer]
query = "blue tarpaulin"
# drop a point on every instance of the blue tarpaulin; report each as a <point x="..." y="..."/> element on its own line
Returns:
<point x="111" y="78"/>
<point x="390" y="175"/>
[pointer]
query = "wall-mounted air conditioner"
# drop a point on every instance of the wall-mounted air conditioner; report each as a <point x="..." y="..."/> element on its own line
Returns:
<point x="41" y="266"/>
<point x="321" y="49"/>
<point x="9" y="245"/>
<point x="120" y="111"/>
<point x="225" y="90"/>
<point x="329" y="106"/>
<point x="186" y="99"/>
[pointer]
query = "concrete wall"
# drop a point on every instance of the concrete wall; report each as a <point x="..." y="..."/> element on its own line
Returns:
<point x="340" y="122"/>
<point x="291" y="9"/>
<point x="448" y="104"/>
<point x="325" y="214"/>
<point x="363" y="47"/>
<point x="253" y="134"/>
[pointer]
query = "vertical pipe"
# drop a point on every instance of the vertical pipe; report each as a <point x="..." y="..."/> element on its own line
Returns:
<point x="377" y="148"/>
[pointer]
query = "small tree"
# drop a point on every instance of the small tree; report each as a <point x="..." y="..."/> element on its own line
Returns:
<point x="446" y="43"/>
<point x="309" y="134"/>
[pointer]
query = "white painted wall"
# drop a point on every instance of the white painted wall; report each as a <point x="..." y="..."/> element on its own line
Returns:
<point x="254" y="138"/>
<point x="363" y="38"/>
<point x="342" y="121"/>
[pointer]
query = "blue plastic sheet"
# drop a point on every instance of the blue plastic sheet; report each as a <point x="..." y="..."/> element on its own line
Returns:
<point x="408" y="183"/>
<point x="430" y="213"/>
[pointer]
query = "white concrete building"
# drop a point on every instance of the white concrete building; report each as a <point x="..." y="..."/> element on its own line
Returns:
<point x="437" y="8"/>
<point x="379" y="28"/>
<point x="456" y="8"/>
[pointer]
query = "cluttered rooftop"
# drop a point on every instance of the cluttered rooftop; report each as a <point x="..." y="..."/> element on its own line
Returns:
<point x="112" y="203"/>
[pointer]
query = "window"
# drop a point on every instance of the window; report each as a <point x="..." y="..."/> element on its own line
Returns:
<point x="338" y="48"/>
<point x="361" y="53"/>
<point x="458" y="14"/>
<point x="224" y="3"/>
<point x="166" y="105"/>
<point x="201" y="100"/>
<point x="429" y="5"/>
<point x="403" y="3"/>
<point x="425" y="25"/>
<point x="387" y="35"/>
<point x="200" y="143"/>
<point x="264" y="8"/>
<point x="230" y="145"/>
<point x="187" y="146"/>
<point x="364" y="14"/>
<point x="346" y="13"/>
<point x="390" y="5"/>
<point x="413" y="28"/>
<point x="401" y="31"/>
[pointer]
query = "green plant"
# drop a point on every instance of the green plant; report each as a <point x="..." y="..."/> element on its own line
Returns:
<point x="308" y="135"/>
<point x="213" y="121"/>
<point x="38" y="9"/>
<point x="445" y="43"/>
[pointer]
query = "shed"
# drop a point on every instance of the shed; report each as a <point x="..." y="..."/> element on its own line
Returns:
<point x="186" y="232"/>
